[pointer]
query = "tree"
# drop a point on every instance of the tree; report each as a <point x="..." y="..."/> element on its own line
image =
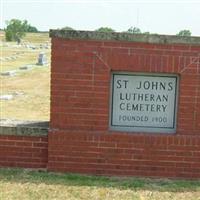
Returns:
<point x="146" y="33"/>
<point x="29" y="28"/>
<point x="16" y="29"/>
<point x="105" y="29"/>
<point x="184" y="33"/>
<point x="32" y="29"/>
<point x="134" y="30"/>
<point x="67" y="28"/>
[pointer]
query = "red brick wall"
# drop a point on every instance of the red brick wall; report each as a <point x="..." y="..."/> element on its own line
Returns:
<point x="80" y="139"/>
<point x="23" y="151"/>
<point x="124" y="154"/>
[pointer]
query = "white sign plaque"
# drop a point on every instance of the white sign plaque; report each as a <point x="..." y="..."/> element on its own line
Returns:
<point x="143" y="102"/>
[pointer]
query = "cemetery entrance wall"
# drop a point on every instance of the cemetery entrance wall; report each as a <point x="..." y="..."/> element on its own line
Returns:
<point x="121" y="104"/>
<point x="93" y="74"/>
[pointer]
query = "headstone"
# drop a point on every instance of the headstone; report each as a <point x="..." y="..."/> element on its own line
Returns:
<point x="7" y="58"/>
<point x="32" y="47"/>
<point x="42" y="59"/>
<point x="26" y="67"/>
<point x="18" y="41"/>
<point x="9" y="73"/>
<point x="6" y="97"/>
<point x="13" y="58"/>
<point x="18" y="93"/>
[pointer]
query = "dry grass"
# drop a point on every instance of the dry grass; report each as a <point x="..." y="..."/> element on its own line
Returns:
<point x="33" y="86"/>
<point x="30" y="185"/>
<point x="37" y="37"/>
<point x="30" y="37"/>
<point x="32" y="103"/>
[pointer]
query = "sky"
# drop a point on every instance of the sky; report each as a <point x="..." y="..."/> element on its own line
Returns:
<point x="155" y="16"/>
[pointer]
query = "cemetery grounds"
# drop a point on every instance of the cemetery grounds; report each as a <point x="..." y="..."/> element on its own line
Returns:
<point x="28" y="93"/>
<point x="27" y="90"/>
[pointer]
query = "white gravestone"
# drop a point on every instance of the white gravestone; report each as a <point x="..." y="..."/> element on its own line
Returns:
<point x="143" y="102"/>
<point x="6" y="97"/>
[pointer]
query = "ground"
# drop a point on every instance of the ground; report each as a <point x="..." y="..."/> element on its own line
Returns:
<point x="30" y="185"/>
<point x="30" y="88"/>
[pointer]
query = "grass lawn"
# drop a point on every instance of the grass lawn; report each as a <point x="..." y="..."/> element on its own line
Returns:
<point x="26" y="184"/>
<point x="30" y="88"/>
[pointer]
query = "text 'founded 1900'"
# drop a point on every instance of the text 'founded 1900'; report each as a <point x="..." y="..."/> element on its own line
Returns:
<point x="144" y="102"/>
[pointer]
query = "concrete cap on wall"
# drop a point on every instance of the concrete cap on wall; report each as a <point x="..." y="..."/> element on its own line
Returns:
<point x="116" y="36"/>
<point x="23" y="128"/>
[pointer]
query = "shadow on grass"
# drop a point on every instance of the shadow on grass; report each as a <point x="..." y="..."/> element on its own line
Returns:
<point x="49" y="178"/>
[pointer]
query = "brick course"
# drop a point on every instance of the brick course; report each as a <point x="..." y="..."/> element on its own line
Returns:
<point x="23" y="151"/>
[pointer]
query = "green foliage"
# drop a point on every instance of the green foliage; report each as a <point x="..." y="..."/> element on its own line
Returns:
<point x="21" y="175"/>
<point x="16" y="29"/>
<point x="184" y="33"/>
<point x="146" y="33"/>
<point x="28" y="28"/>
<point x="67" y="28"/>
<point x="31" y="29"/>
<point x="105" y="29"/>
<point x="134" y="30"/>
<point x="9" y="35"/>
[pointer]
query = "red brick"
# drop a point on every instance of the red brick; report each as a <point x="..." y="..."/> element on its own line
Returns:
<point x="19" y="151"/>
